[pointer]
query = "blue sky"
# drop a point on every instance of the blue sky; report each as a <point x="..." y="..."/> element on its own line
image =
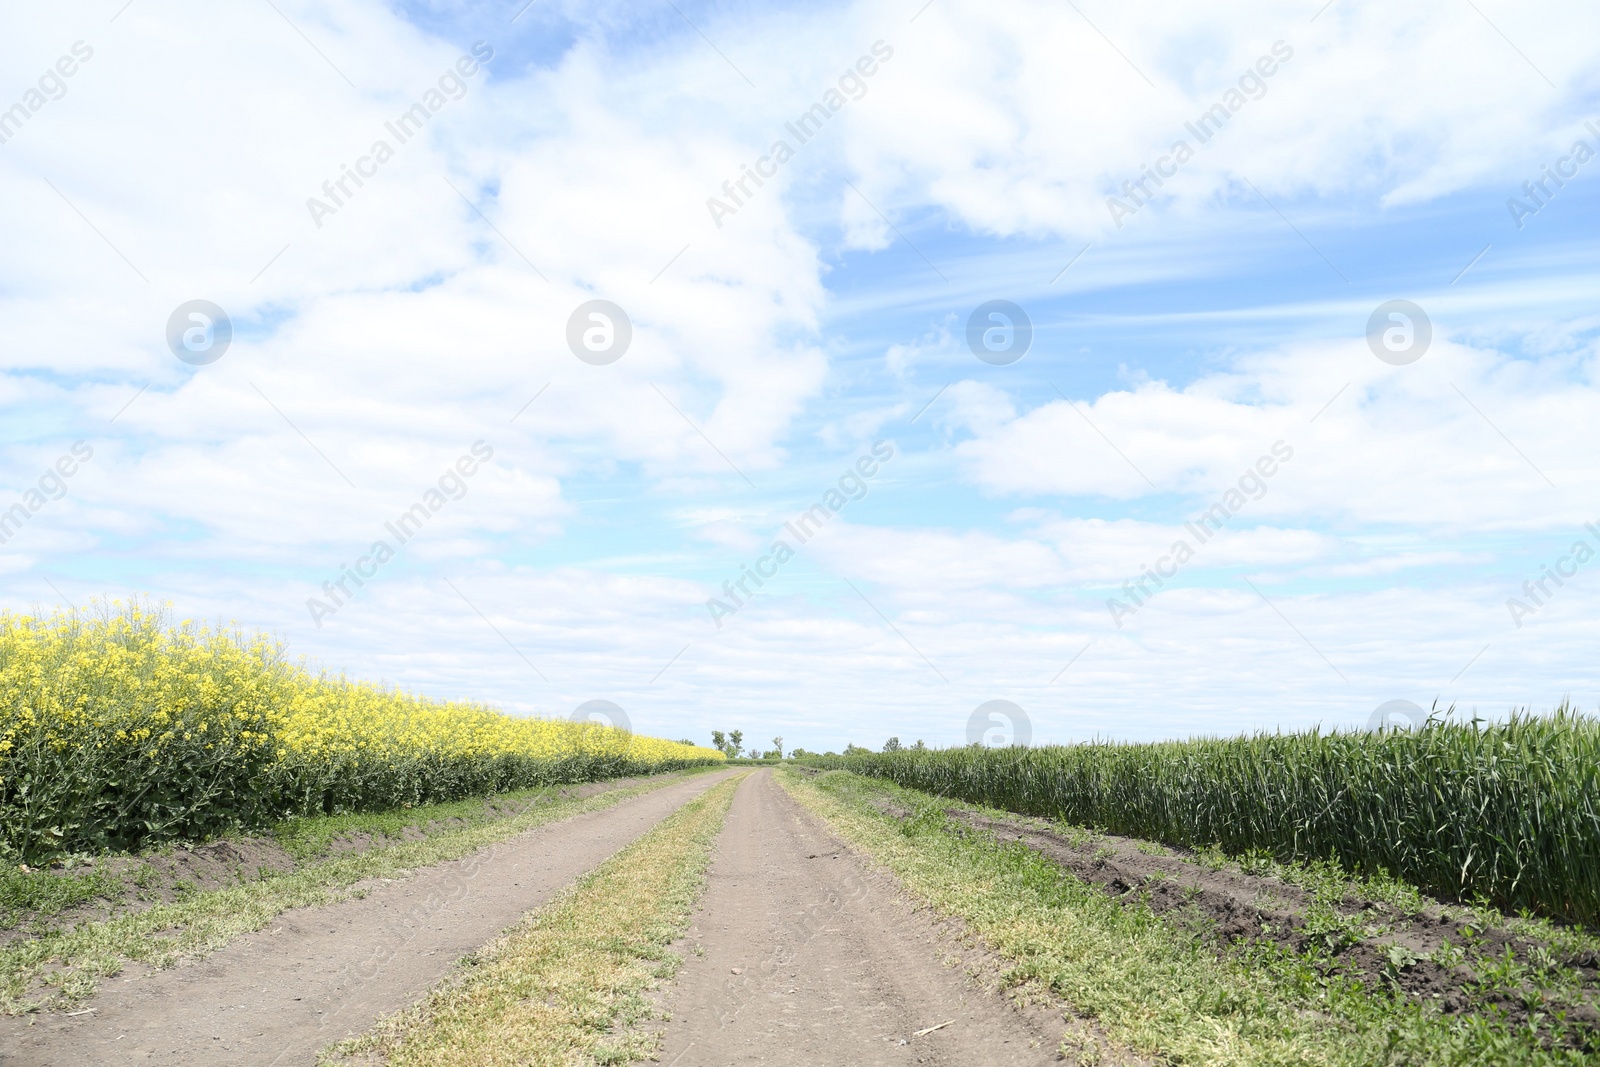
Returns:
<point x="373" y="345"/>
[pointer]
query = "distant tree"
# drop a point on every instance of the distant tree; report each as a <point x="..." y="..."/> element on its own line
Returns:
<point x="892" y="745"/>
<point x="830" y="752"/>
<point x="798" y="753"/>
<point x="685" y="741"/>
<point x="777" y="744"/>
<point x="856" y="750"/>
<point x="730" y="744"/>
<point x="919" y="746"/>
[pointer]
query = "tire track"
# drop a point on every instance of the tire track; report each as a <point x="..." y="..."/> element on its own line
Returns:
<point x="807" y="957"/>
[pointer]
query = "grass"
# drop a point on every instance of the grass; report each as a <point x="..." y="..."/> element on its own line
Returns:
<point x="1503" y="811"/>
<point x="63" y="966"/>
<point x="1149" y="985"/>
<point x="567" y="985"/>
<point x="43" y="894"/>
<point x="312" y="838"/>
<point x="39" y="895"/>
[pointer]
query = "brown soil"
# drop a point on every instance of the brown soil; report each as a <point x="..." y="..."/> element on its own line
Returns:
<point x="1232" y="906"/>
<point x="802" y="954"/>
<point x="173" y="872"/>
<point x="318" y="975"/>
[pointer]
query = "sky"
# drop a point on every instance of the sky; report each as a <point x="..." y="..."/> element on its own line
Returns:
<point x="823" y="371"/>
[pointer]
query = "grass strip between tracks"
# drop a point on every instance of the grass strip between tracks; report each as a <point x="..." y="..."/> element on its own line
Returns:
<point x="62" y="968"/>
<point x="566" y="984"/>
<point x="1148" y="985"/>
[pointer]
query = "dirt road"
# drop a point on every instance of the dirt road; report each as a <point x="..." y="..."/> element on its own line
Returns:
<point x="799" y="954"/>
<point x="809" y="959"/>
<point x="321" y="974"/>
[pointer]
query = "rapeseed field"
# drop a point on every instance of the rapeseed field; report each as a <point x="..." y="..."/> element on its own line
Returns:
<point x="119" y="729"/>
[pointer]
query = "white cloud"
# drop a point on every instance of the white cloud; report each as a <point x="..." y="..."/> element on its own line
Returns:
<point x="1465" y="437"/>
<point x="408" y="326"/>
<point x="1039" y="118"/>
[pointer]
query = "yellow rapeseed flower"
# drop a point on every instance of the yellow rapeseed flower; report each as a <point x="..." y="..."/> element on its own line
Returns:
<point x="123" y="701"/>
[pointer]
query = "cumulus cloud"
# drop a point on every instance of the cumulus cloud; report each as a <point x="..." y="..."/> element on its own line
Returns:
<point x="375" y="344"/>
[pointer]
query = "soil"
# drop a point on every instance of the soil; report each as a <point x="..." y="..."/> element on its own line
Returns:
<point x="802" y="954"/>
<point x="1231" y="905"/>
<point x="319" y="975"/>
<point x="167" y="874"/>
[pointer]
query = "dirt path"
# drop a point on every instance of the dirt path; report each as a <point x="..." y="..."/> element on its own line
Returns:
<point x="318" y="975"/>
<point x="809" y="959"/>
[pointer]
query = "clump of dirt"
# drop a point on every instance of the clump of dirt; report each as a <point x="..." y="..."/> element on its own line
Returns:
<point x="1447" y="955"/>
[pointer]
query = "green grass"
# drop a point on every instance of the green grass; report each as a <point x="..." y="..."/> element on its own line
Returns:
<point x="568" y="983"/>
<point x="1508" y="813"/>
<point x="38" y="895"/>
<point x="61" y="967"/>
<point x="308" y="838"/>
<point x="1149" y="984"/>
<point x="42" y="894"/>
